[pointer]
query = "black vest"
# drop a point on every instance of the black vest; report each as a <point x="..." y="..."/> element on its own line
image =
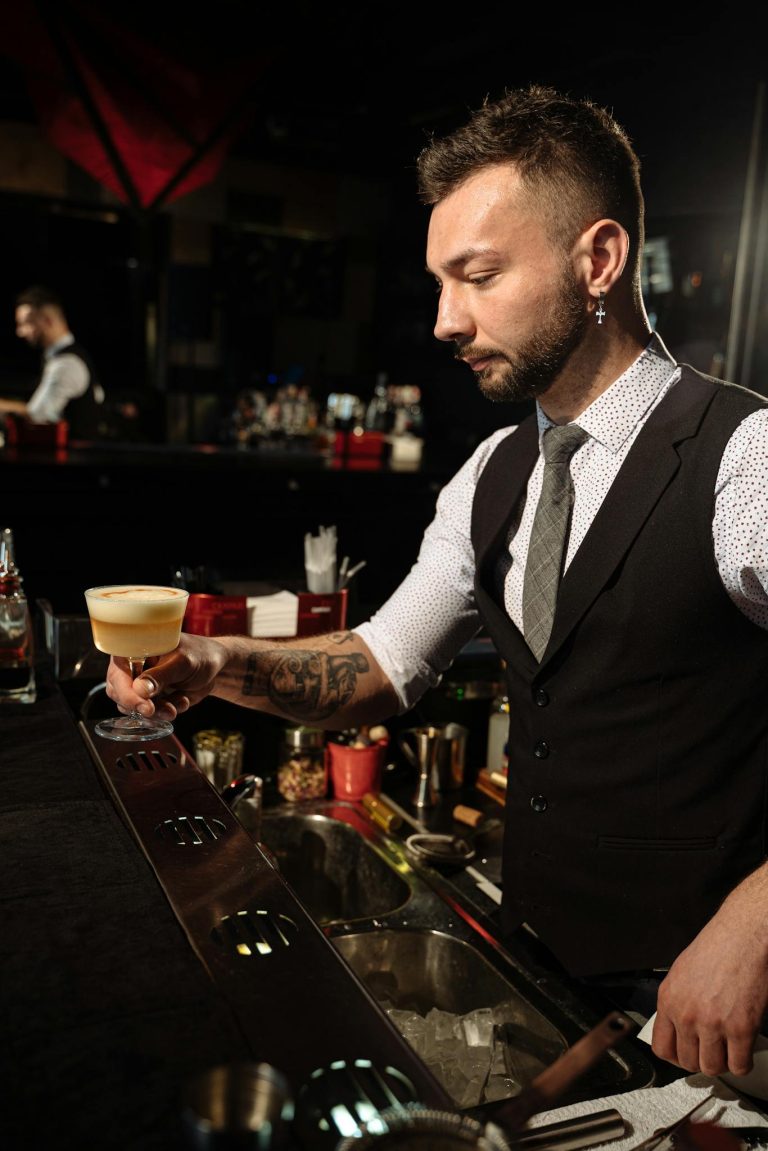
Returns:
<point x="638" y="748"/>
<point x="83" y="414"/>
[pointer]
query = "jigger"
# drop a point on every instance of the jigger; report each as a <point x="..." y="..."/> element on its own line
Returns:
<point x="438" y="758"/>
<point x="424" y="760"/>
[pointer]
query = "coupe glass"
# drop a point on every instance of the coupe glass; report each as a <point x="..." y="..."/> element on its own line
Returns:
<point x="135" y="621"/>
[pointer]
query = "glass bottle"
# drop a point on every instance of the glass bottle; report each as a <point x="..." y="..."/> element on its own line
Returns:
<point x="17" y="649"/>
<point x="498" y="734"/>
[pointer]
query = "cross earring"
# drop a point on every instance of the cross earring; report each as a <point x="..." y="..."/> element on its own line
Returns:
<point x="600" y="313"/>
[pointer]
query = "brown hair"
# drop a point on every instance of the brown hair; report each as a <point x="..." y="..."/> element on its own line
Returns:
<point x="38" y="296"/>
<point x="574" y="159"/>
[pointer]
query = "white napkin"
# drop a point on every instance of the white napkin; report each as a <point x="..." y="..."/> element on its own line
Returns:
<point x="648" y="1108"/>
<point x="273" y="615"/>
<point x="755" y="1083"/>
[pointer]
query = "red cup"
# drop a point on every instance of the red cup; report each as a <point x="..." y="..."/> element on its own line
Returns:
<point x="353" y="771"/>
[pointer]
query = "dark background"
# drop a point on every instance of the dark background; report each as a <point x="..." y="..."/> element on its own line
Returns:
<point x="330" y="94"/>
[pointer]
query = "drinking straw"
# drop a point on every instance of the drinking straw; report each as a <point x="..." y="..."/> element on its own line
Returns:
<point x="320" y="559"/>
<point x="352" y="571"/>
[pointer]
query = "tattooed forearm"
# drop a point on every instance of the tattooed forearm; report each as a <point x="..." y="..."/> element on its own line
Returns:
<point x="307" y="685"/>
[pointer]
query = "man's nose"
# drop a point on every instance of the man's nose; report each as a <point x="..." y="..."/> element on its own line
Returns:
<point x="453" y="320"/>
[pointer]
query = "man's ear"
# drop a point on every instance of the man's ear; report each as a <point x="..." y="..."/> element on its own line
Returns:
<point x="47" y="317"/>
<point x="602" y="251"/>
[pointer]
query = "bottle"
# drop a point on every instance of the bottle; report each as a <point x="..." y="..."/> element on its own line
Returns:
<point x="17" y="649"/>
<point x="498" y="734"/>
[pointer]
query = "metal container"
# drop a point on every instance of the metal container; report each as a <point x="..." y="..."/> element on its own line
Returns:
<point x="438" y="752"/>
<point x="407" y="1128"/>
<point x="242" y="1105"/>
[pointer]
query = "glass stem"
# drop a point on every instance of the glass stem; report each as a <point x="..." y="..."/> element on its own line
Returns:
<point x="137" y="667"/>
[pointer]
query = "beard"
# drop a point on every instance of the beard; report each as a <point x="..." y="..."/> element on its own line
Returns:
<point x="533" y="367"/>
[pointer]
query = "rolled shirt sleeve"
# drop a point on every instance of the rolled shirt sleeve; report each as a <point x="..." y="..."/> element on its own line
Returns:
<point x="417" y="633"/>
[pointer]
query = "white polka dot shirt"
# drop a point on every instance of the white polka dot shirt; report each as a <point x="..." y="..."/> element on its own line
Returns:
<point x="420" y="629"/>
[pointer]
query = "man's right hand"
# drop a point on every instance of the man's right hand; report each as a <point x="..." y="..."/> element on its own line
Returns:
<point x="171" y="684"/>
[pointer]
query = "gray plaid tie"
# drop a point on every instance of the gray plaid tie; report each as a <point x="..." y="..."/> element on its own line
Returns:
<point x="550" y="528"/>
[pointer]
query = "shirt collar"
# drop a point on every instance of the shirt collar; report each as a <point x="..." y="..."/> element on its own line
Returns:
<point x="64" y="342"/>
<point x="614" y="415"/>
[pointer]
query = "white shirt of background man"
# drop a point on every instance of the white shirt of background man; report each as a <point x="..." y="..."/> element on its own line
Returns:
<point x="64" y="378"/>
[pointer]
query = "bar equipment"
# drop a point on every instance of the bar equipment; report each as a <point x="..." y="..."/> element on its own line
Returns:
<point x="410" y="1126"/>
<point x="438" y="753"/>
<point x="354" y="771"/>
<point x="219" y="754"/>
<point x="239" y="1105"/>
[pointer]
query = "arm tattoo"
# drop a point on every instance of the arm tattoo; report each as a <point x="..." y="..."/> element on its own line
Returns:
<point x="308" y="685"/>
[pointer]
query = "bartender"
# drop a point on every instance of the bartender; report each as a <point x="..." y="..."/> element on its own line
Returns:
<point x="635" y="836"/>
<point x="68" y="387"/>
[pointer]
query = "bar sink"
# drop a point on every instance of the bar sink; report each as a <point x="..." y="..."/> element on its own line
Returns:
<point x="421" y="969"/>
<point x="470" y="1025"/>
<point x="472" y="1011"/>
<point x="333" y="869"/>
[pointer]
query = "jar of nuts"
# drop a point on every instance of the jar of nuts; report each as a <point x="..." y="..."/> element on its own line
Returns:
<point x="302" y="771"/>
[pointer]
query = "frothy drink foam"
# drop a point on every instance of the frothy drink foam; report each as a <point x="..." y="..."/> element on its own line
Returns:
<point x="136" y="621"/>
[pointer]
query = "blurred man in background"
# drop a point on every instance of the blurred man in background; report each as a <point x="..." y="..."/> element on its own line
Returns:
<point x="68" y="388"/>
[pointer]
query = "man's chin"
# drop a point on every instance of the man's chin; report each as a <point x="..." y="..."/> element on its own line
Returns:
<point x="490" y="380"/>
<point x="500" y="391"/>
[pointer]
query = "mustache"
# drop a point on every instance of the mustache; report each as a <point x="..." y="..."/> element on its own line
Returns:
<point x="473" y="352"/>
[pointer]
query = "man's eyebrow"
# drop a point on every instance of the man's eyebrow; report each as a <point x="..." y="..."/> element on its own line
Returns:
<point x="464" y="257"/>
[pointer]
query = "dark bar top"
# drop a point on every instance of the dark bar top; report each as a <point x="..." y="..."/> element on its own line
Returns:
<point x="106" y="1011"/>
<point x="295" y="455"/>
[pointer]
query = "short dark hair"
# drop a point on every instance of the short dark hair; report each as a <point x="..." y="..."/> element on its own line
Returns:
<point x="575" y="159"/>
<point x="39" y="296"/>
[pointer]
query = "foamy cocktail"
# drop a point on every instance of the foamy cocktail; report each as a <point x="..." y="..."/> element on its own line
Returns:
<point x="135" y="621"/>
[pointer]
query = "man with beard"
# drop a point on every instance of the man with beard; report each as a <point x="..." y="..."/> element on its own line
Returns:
<point x="635" y="839"/>
<point x="68" y="387"/>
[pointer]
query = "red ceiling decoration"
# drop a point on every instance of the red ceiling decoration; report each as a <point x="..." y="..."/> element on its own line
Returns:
<point x="142" y="117"/>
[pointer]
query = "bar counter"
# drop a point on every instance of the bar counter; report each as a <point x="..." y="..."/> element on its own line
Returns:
<point x="107" y="1011"/>
<point x="117" y="992"/>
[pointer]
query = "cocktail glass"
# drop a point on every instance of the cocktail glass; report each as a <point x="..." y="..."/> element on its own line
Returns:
<point x="135" y="621"/>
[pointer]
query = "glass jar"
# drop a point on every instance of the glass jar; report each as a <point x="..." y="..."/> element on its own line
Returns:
<point x="302" y="771"/>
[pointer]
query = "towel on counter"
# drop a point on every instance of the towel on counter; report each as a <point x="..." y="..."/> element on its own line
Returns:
<point x="648" y="1108"/>
<point x="755" y="1083"/>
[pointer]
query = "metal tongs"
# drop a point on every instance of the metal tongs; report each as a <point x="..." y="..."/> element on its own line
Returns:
<point x="663" y="1138"/>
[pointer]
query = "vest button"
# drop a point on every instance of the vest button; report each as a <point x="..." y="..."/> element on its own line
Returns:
<point x="539" y="803"/>
<point x="540" y="697"/>
<point x="541" y="750"/>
